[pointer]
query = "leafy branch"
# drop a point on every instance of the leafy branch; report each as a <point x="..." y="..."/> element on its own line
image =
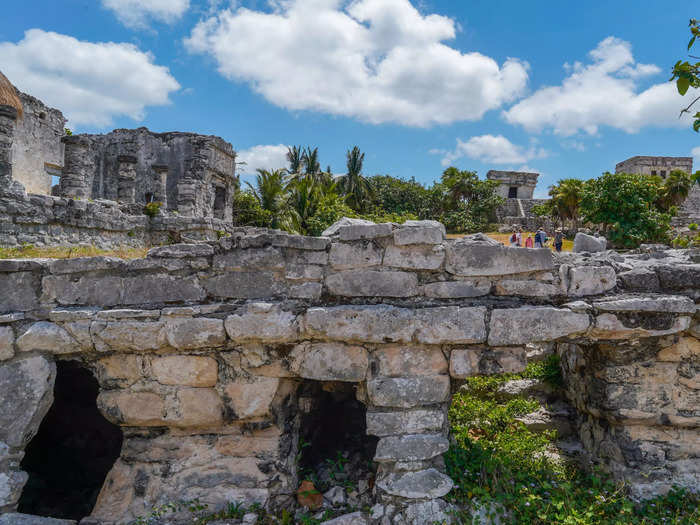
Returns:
<point x="687" y="75"/>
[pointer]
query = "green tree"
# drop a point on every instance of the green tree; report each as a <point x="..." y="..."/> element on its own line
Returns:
<point x="356" y="188"/>
<point x="469" y="202"/>
<point x="294" y="159"/>
<point x="270" y="192"/>
<point x="309" y="160"/>
<point x="248" y="212"/>
<point x="566" y="200"/>
<point x="626" y="206"/>
<point x="687" y="74"/>
<point x="675" y="189"/>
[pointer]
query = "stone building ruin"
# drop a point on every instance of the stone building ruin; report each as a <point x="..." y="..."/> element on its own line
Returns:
<point x="192" y="175"/>
<point x="517" y="189"/>
<point x="689" y="211"/>
<point x="213" y="360"/>
<point x="37" y="151"/>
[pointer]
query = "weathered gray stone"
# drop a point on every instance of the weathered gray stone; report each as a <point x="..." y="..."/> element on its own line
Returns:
<point x="588" y="243"/>
<point x="590" y="280"/>
<point x="368" y="283"/>
<point x="475" y="259"/>
<point x="450" y="324"/>
<point x="408" y="392"/>
<point x="356" y="232"/>
<point x="185" y="370"/>
<point x="47" y="337"/>
<point x="269" y="258"/>
<point x="345" y="256"/>
<point x="411" y="447"/>
<point x="305" y="291"/>
<point x="532" y="324"/>
<point x="265" y="322"/>
<point x="7" y="343"/>
<point x="611" y="326"/>
<point x="411" y="421"/>
<point x="457" y="289"/>
<point x="639" y="280"/>
<point x="11" y="484"/>
<point x="190" y="334"/>
<point x="179" y="251"/>
<point x="20" y="291"/>
<point x="161" y="289"/>
<point x="128" y="336"/>
<point x="85" y="264"/>
<point x="329" y="362"/>
<point x="334" y="228"/>
<point x="415" y="257"/>
<point x="659" y="303"/>
<point x="432" y="511"/>
<point x="244" y="285"/>
<point x="377" y="324"/>
<point x="419" y="232"/>
<point x="428" y="483"/>
<point x="87" y="290"/>
<point x="14" y="518"/>
<point x="527" y="288"/>
<point x="354" y="518"/>
<point x="464" y="362"/>
<point x="679" y="276"/>
<point x="27" y="394"/>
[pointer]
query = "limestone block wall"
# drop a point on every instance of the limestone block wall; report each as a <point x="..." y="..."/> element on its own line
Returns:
<point x="37" y="151"/>
<point x="46" y="220"/>
<point x="200" y="350"/>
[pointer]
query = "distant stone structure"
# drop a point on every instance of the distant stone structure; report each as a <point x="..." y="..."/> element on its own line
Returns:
<point x="37" y="152"/>
<point x="517" y="188"/>
<point x="689" y="211"/>
<point x="514" y="184"/>
<point x="661" y="166"/>
<point x="192" y="174"/>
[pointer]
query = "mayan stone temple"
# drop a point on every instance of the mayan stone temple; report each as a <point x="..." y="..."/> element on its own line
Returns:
<point x="228" y="360"/>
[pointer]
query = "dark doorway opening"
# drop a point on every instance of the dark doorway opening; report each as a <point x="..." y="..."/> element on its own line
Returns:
<point x="335" y="449"/>
<point x="73" y="451"/>
<point x="219" y="201"/>
<point x="513" y="192"/>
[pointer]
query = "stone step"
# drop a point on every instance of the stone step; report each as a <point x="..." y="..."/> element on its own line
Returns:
<point x="529" y="388"/>
<point x="557" y="416"/>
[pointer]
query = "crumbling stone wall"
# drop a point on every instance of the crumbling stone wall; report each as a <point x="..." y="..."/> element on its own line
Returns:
<point x="200" y="349"/>
<point x="192" y="174"/>
<point x="37" y="151"/>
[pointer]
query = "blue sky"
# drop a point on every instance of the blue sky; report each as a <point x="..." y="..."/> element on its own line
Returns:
<point x="566" y="89"/>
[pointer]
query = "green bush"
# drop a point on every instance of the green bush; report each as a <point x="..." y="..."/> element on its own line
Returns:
<point x="626" y="205"/>
<point x="498" y="463"/>
<point x="693" y="226"/>
<point x="152" y="208"/>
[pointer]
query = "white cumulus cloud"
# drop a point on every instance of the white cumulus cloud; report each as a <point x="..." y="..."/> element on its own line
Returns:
<point x="492" y="149"/>
<point x="604" y="92"/>
<point x="90" y="82"/>
<point x="263" y="156"/>
<point x="695" y="153"/>
<point x="375" y="60"/>
<point x="139" y="13"/>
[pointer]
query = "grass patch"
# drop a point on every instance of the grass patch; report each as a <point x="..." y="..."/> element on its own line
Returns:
<point x="29" y="251"/>
<point x="502" y="465"/>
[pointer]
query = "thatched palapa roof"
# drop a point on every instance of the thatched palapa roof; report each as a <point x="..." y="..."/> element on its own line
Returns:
<point x="8" y="95"/>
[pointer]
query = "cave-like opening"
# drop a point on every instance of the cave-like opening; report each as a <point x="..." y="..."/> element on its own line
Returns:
<point x="73" y="451"/>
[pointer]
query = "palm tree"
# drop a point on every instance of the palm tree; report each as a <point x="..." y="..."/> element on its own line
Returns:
<point x="309" y="159"/>
<point x="676" y="188"/>
<point x="353" y="185"/>
<point x="270" y="192"/>
<point x="566" y="199"/>
<point x="294" y="159"/>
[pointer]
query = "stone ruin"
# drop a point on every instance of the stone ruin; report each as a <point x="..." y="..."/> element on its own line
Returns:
<point x="517" y="188"/>
<point x="199" y="371"/>
<point x="104" y="182"/>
